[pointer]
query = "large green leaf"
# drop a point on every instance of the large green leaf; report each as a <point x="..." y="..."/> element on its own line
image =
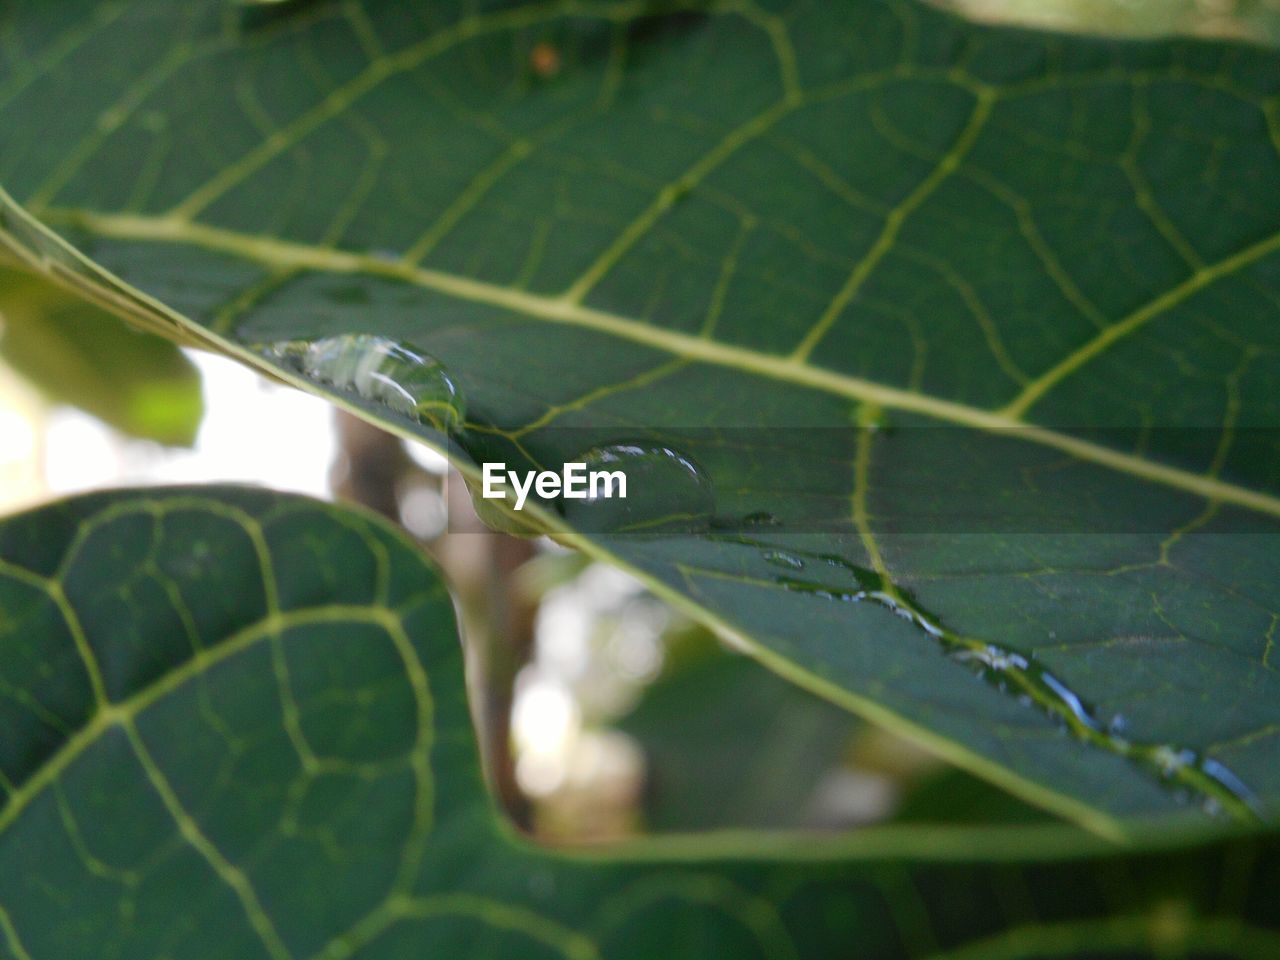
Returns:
<point x="234" y="726"/>
<point x="997" y="308"/>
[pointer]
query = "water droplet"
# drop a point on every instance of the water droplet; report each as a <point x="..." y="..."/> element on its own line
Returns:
<point x="1170" y="759"/>
<point x="868" y="591"/>
<point x="821" y="590"/>
<point x="1185" y="772"/>
<point x="666" y="491"/>
<point x="400" y="377"/>
<point x="993" y="658"/>
<point x="1228" y="779"/>
<point x="787" y="560"/>
<point x="1068" y="700"/>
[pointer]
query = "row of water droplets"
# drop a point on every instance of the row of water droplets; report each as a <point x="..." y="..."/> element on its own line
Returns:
<point x="670" y="492"/>
<point x="1187" y="771"/>
<point x="667" y="490"/>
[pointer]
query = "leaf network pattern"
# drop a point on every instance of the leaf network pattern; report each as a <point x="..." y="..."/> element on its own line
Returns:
<point x="1051" y="263"/>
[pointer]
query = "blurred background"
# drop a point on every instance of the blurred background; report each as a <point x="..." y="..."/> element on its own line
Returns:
<point x="602" y="711"/>
<point x="1255" y="20"/>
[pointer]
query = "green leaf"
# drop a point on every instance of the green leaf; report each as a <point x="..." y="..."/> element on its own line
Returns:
<point x="953" y="796"/>
<point x="986" y="315"/>
<point x="76" y="353"/>
<point x="730" y="745"/>
<point x="235" y="727"/>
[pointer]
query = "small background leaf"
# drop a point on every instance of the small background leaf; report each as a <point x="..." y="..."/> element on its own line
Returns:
<point x="731" y="745"/>
<point x="77" y="353"/>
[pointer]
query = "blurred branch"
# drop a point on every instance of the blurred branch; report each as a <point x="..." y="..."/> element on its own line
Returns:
<point x="371" y="466"/>
<point x="373" y="469"/>
<point x="499" y="626"/>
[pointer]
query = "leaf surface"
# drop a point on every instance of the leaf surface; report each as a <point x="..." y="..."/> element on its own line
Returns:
<point x="235" y="727"/>
<point x="987" y="316"/>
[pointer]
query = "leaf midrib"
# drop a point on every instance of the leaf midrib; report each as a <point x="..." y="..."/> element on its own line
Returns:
<point x="286" y="255"/>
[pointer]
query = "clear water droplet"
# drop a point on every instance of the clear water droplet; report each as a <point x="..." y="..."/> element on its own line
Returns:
<point x="993" y="658"/>
<point x="785" y="560"/>
<point x="1170" y="759"/>
<point x="820" y="590"/>
<point x="667" y="491"/>
<point x="396" y="375"/>
<point x="1068" y="700"/>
